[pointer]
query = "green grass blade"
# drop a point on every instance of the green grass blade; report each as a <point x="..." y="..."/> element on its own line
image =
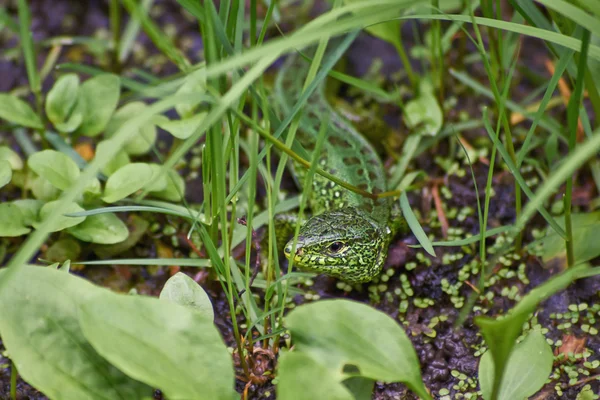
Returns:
<point x="559" y="70"/>
<point x="518" y="177"/>
<point x="182" y="262"/>
<point x="415" y="226"/>
<point x="552" y="37"/>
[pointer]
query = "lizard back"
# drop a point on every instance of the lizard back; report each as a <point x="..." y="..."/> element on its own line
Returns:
<point x="345" y="152"/>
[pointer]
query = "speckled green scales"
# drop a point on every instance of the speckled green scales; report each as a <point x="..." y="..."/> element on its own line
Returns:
<point x="359" y="223"/>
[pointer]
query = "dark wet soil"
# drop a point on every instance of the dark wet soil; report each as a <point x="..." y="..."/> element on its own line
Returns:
<point x="447" y="354"/>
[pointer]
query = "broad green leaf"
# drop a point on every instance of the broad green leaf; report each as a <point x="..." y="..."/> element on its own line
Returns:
<point x="143" y="141"/>
<point x="159" y="181"/>
<point x="424" y="115"/>
<point x="56" y="167"/>
<point x="98" y="98"/>
<point x="8" y="154"/>
<point x="42" y="189"/>
<point x="11" y="221"/>
<point x="13" y="109"/>
<point x="39" y="327"/>
<point x="175" y="188"/>
<point x="5" y="173"/>
<point x="339" y="333"/>
<point x="163" y="344"/>
<point x="183" y="128"/>
<point x="586" y="231"/>
<point x="30" y="209"/>
<point x="127" y="180"/>
<point x="101" y="228"/>
<point x="118" y="160"/>
<point x="500" y="334"/>
<point x="62" y="98"/>
<point x="527" y="369"/>
<point x="301" y="377"/>
<point x="63" y="221"/>
<point x="183" y="290"/>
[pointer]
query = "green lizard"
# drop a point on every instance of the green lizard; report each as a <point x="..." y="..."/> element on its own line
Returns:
<point x="348" y="235"/>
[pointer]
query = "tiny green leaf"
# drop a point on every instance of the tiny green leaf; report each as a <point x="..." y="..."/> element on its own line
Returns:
<point x="183" y="128"/>
<point x="62" y="98"/>
<point x="8" y="154"/>
<point x="101" y="228"/>
<point x="58" y="168"/>
<point x="98" y="98"/>
<point x="160" y="343"/>
<point x="183" y="290"/>
<point x="11" y="221"/>
<point x="424" y="115"/>
<point x="5" y="173"/>
<point x="30" y="209"/>
<point x="175" y="188"/>
<point x="143" y="141"/>
<point x="127" y="180"/>
<point x="63" y="222"/>
<point x="42" y="189"/>
<point x="338" y="333"/>
<point x="527" y="369"/>
<point x="13" y="109"/>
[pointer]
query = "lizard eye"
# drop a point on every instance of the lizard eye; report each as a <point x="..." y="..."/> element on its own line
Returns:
<point x="336" y="246"/>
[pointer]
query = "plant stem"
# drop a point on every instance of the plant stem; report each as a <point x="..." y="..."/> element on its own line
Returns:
<point x="414" y="81"/>
<point x="13" y="381"/>
<point x="572" y="118"/>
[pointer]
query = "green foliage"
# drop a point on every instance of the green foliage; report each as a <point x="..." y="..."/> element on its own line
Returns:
<point x="334" y="332"/>
<point x="501" y="334"/>
<point x="47" y="344"/>
<point x="302" y="377"/>
<point x="61" y="101"/>
<point x="57" y="168"/>
<point x="12" y="221"/>
<point x="183" y="290"/>
<point x="145" y="136"/>
<point x="527" y="369"/>
<point x="126" y="180"/>
<point x="586" y="231"/>
<point x="97" y="100"/>
<point x="120" y="340"/>
<point x="5" y="173"/>
<point x="160" y="343"/>
<point x="101" y="228"/>
<point x="423" y="114"/>
<point x="13" y="109"/>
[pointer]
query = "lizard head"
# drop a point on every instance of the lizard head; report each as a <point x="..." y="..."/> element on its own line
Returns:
<point x="345" y="243"/>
